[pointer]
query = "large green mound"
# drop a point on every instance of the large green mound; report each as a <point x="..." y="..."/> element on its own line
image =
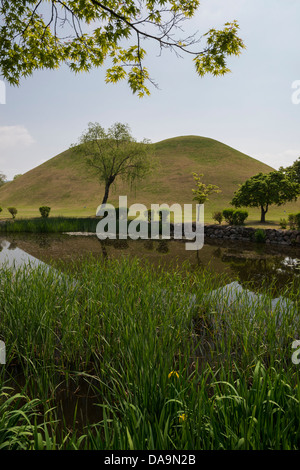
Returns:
<point x="65" y="182"/>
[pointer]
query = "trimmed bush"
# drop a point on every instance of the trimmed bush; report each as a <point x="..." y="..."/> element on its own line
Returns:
<point x="283" y="223"/>
<point x="239" y="217"/>
<point x="228" y="215"/>
<point x="218" y="216"/>
<point x="235" y="216"/>
<point x="13" y="211"/>
<point x="44" y="210"/>
<point x="292" y="221"/>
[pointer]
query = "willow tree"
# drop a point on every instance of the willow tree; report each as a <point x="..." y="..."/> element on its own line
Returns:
<point x="43" y="34"/>
<point x="115" y="153"/>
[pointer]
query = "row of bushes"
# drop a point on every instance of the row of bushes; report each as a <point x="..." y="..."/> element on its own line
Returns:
<point x="231" y="216"/>
<point x="293" y="222"/>
<point x="238" y="217"/>
<point x="12" y="210"/>
<point x="44" y="210"/>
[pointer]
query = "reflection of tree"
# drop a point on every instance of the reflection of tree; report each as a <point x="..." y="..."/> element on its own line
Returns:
<point x="199" y="262"/>
<point x="12" y="246"/>
<point x="262" y="271"/>
<point x="120" y="244"/>
<point x="162" y="246"/>
<point x="107" y="242"/>
<point x="44" y="242"/>
<point x="218" y="252"/>
<point x="103" y="248"/>
<point x="149" y="245"/>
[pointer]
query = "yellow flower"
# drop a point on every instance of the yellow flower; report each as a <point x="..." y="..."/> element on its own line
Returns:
<point x="182" y="417"/>
<point x="173" y="373"/>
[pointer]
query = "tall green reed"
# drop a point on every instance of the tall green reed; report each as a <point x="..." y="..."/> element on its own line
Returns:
<point x="167" y="367"/>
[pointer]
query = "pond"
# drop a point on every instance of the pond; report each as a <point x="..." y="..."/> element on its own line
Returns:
<point x="242" y="262"/>
<point x="245" y="262"/>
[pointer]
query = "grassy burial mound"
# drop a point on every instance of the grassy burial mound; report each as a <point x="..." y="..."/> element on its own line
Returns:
<point x="70" y="188"/>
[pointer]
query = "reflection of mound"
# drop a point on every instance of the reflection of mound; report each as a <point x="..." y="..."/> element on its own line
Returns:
<point x="12" y="246"/>
<point x="233" y="299"/>
<point x="12" y="257"/>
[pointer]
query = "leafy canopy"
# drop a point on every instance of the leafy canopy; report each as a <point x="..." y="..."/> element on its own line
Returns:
<point x="43" y="34"/>
<point x="293" y="171"/>
<point x="265" y="189"/>
<point x="203" y="190"/>
<point x="115" y="153"/>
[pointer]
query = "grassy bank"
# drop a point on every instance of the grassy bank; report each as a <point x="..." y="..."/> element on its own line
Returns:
<point x="50" y="225"/>
<point x="55" y="225"/>
<point x="274" y="215"/>
<point x="81" y="223"/>
<point x="125" y="358"/>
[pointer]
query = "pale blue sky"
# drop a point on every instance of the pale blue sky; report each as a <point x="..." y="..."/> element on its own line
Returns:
<point x="250" y="109"/>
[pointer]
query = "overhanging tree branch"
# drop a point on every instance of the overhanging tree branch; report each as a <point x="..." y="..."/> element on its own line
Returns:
<point x="98" y="31"/>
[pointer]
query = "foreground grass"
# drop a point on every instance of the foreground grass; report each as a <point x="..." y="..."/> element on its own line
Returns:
<point x="164" y="369"/>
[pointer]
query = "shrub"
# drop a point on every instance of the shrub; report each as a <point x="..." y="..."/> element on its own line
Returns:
<point x="292" y="221"/>
<point x="218" y="216"/>
<point x="13" y="211"/>
<point x="239" y="217"/>
<point x="228" y="215"/>
<point x="235" y="216"/>
<point x="297" y="220"/>
<point x="283" y="223"/>
<point x="260" y="236"/>
<point x="1" y="209"/>
<point x="45" y="210"/>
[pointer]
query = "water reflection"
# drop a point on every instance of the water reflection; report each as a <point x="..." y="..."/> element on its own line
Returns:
<point x="240" y="261"/>
<point x="13" y="257"/>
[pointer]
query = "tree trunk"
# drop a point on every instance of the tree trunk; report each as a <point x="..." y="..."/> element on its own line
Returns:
<point x="263" y="214"/>
<point x="105" y="197"/>
<point x="108" y="183"/>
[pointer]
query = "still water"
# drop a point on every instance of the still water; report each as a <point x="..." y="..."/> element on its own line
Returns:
<point x="244" y="262"/>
